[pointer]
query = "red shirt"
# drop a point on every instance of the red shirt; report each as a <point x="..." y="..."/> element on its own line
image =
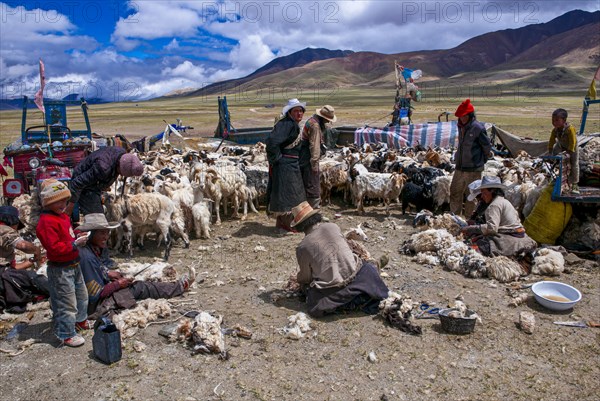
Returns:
<point x="56" y="235"/>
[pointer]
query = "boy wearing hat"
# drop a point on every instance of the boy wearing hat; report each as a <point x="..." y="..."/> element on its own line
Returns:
<point x="109" y="289"/>
<point x="472" y="152"/>
<point x="564" y="139"/>
<point x="98" y="171"/>
<point x="334" y="277"/>
<point x="68" y="296"/>
<point x="311" y="151"/>
<point x="18" y="286"/>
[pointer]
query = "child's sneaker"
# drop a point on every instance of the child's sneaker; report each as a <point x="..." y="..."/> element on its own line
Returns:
<point x="75" y="341"/>
<point x="85" y="325"/>
<point x="575" y="189"/>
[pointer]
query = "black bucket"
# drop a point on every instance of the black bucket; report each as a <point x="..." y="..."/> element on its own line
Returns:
<point x="106" y="342"/>
<point x="457" y="325"/>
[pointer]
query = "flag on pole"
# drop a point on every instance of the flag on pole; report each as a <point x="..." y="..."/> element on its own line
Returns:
<point x="591" y="93"/>
<point x="39" y="96"/>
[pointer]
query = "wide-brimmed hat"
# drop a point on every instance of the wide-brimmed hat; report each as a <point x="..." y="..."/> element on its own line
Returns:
<point x="474" y="190"/>
<point x="464" y="108"/>
<point x="328" y="113"/>
<point x="302" y="212"/>
<point x="291" y="104"/>
<point x="96" y="221"/>
<point x="491" y="182"/>
<point x="9" y="215"/>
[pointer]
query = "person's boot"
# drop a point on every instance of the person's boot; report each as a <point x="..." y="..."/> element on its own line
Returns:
<point x="575" y="189"/>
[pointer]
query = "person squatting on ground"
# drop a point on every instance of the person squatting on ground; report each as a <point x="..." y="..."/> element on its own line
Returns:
<point x="18" y="286"/>
<point x="563" y="139"/>
<point x="502" y="232"/>
<point x="286" y="188"/>
<point x="333" y="277"/>
<point x="311" y="150"/>
<point x="108" y="290"/>
<point x="68" y="296"/>
<point x="97" y="172"/>
<point x="471" y="154"/>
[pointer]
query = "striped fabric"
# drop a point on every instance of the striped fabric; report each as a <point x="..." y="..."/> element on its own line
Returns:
<point x="442" y="134"/>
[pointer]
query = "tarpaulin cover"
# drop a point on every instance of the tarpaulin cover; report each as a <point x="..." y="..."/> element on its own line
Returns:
<point x="442" y="134"/>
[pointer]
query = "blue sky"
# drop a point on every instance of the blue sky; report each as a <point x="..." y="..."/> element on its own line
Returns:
<point x="131" y="50"/>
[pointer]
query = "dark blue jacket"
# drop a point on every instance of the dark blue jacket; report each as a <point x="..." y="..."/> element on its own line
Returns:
<point x="96" y="172"/>
<point x="474" y="147"/>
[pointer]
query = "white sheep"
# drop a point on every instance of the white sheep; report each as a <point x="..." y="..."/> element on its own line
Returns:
<point x="145" y="211"/>
<point x="377" y="186"/>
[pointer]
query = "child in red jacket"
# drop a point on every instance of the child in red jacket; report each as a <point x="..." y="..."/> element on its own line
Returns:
<point x="68" y="295"/>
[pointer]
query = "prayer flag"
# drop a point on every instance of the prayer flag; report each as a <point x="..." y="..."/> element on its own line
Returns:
<point x="39" y="96"/>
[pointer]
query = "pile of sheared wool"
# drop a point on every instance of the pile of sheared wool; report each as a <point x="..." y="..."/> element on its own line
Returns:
<point x="504" y="269"/>
<point x="445" y="221"/>
<point x="396" y="303"/>
<point x="548" y="262"/>
<point x="157" y="271"/>
<point x="396" y="310"/>
<point x="429" y="241"/>
<point x="204" y="331"/>
<point x="589" y="154"/>
<point x="452" y="256"/>
<point x="438" y="247"/>
<point x="207" y="334"/>
<point x="474" y="264"/>
<point x="130" y="320"/>
<point x="297" y="326"/>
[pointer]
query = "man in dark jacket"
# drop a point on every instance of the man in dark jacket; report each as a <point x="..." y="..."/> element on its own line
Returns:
<point x="473" y="151"/>
<point x="97" y="172"/>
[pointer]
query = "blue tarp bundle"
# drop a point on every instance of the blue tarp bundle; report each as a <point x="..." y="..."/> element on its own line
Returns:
<point x="442" y="134"/>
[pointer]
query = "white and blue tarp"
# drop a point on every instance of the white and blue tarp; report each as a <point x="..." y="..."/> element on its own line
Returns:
<point x="443" y="134"/>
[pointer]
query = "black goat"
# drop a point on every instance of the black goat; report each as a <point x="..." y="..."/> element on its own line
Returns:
<point x="419" y="196"/>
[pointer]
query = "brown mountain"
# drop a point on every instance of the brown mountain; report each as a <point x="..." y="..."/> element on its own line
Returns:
<point x="571" y="40"/>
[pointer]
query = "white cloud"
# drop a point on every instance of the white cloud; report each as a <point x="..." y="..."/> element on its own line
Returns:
<point x="193" y="43"/>
<point x="173" y="45"/>
<point x="250" y="54"/>
<point x="157" y="19"/>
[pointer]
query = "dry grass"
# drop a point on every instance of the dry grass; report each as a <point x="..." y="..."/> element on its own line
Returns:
<point x="523" y="112"/>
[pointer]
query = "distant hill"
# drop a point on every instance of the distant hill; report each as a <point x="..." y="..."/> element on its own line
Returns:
<point x="17" y="104"/>
<point x="297" y="59"/>
<point x="568" y="41"/>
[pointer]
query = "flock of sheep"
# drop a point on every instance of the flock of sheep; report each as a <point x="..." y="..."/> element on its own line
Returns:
<point x="183" y="192"/>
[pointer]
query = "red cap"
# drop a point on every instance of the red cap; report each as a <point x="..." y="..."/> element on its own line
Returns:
<point x="465" y="108"/>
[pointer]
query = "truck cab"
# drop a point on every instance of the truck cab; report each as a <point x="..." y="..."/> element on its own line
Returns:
<point x="50" y="150"/>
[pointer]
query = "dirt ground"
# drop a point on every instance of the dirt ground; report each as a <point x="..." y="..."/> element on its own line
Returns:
<point x="243" y="284"/>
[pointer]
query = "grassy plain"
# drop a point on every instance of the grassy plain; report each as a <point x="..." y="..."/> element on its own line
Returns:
<point x="522" y="111"/>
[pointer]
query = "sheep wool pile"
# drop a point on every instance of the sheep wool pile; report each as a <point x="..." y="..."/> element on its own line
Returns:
<point x="504" y="269"/>
<point x="429" y="241"/>
<point x="207" y="334"/>
<point x="129" y="321"/>
<point x="396" y="310"/>
<point x="157" y="271"/>
<point x="548" y="263"/>
<point x="297" y="326"/>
